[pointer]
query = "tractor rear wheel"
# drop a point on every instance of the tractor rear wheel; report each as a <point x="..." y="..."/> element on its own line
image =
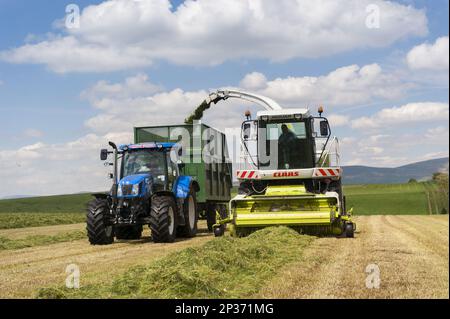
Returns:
<point x="99" y="233"/>
<point x="163" y="219"/>
<point x="128" y="232"/>
<point x="190" y="216"/>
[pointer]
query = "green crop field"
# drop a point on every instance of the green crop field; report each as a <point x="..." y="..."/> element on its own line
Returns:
<point x="395" y="199"/>
<point x="46" y="204"/>
<point x="43" y="211"/>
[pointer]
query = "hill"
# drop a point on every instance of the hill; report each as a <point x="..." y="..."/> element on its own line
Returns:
<point x="383" y="175"/>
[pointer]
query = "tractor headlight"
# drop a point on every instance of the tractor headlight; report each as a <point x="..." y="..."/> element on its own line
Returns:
<point x="135" y="189"/>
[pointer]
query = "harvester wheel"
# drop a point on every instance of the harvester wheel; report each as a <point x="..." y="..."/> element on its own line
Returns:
<point x="349" y="230"/>
<point x="99" y="233"/>
<point x="163" y="219"/>
<point x="219" y="231"/>
<point x="128" y="232"/>
<point x="210" y="216"/>
<point x="190" y="216"/>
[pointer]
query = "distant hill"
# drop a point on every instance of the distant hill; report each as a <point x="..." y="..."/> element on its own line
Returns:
<point x="381" y="175"/>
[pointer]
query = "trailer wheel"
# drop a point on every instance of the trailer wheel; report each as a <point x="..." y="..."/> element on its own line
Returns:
<point x="99" y="233"/>
<point x="128" y="232"/>
<point x="190" y="216"/>
<point x="163" y="219"/>
<point x="349" y="230"/>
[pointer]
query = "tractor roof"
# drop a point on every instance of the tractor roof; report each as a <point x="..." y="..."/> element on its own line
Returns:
<point x="278" y="114"/>
<point x="149" y="145"/>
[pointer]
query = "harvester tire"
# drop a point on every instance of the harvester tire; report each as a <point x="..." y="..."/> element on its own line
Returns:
<point x="163" y="219"/>
<point x="128" y="232"/>
<point x="219" y="231"/>
<point x="99" y="233"/>
<point x="210" y="216"/>
<point x="349" y="230"/>
<point x="190" y="211"/>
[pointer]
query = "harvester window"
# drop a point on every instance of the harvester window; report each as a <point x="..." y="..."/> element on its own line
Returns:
<point x="291" y="142"/>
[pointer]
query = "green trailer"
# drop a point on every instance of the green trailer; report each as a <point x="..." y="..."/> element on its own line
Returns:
<point x="205" y="157"/>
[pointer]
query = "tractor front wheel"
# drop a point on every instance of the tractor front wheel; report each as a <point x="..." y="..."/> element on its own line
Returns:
<point x="99" y="232"/>
<point x="163" y="223"/>
<point x="190" y="216"/>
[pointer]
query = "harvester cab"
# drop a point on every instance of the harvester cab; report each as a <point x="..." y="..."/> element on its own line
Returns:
<point x="289" y="171"/>
<point x="147" y="189"/>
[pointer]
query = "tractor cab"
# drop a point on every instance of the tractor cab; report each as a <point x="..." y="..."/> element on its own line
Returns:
<point x="147" y="164"/>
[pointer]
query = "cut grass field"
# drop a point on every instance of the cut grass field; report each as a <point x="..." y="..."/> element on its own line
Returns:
<point x="39" y="240"/>
<point x="410" y="251"/>
<point x="224" y="267"/>
<point x="32" y="219"/>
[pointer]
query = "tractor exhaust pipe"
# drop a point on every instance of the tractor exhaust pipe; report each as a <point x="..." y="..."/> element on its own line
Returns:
<point x="115" y="181"/>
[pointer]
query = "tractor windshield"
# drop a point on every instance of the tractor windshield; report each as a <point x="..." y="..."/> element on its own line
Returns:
<point x="144" y="161"/>
<point x="285" y="144"/>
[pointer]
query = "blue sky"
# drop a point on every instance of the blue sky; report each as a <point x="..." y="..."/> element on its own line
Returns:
<point x="50" y="101"/>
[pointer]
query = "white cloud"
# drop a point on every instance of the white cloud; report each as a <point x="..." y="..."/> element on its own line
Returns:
<point x="70" y="167"/>
<point x="430" y="56"/>
<point x="411" y="112"/>
<point x="134" y="86"/>
<point x="337" y="120"/>
<point x="349" y="85"/>
<point x="123" y="34"/>
<point x="254" y="81"/>
<point x="33" y="133"/>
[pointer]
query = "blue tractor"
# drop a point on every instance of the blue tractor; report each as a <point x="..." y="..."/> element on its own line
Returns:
<point x="147" y="189"/>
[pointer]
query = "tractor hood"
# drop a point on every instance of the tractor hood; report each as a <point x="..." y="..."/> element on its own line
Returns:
<point x="133" y="179"/>
<point x="138" y="185"/>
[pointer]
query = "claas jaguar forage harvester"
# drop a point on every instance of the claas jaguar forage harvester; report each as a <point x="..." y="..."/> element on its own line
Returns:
<point x="289" y="171"/>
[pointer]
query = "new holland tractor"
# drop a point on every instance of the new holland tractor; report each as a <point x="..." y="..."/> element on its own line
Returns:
<point x="289" y="171"/>
<point x="167" y="179"/>
<point x="148" y="189"/>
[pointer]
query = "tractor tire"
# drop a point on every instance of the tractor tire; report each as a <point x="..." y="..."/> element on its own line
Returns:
<point x="190" y="212"/>
<point x="349" y="230"/>
<point x="98" y="232"/>
<point x="128" y="232"/>
<point x="163" y="223"/>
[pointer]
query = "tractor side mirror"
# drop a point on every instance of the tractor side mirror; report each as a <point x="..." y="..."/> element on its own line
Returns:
<point x="246" y="131"/>
<point x="103" y="154"/>
<point x="324" y="128"/>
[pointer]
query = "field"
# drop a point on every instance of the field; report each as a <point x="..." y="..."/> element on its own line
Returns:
<point x="410" y="251"/>
<point x="39" y="237"/>
<point x="43" y="211"/>
<point x="395" y="199"/>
